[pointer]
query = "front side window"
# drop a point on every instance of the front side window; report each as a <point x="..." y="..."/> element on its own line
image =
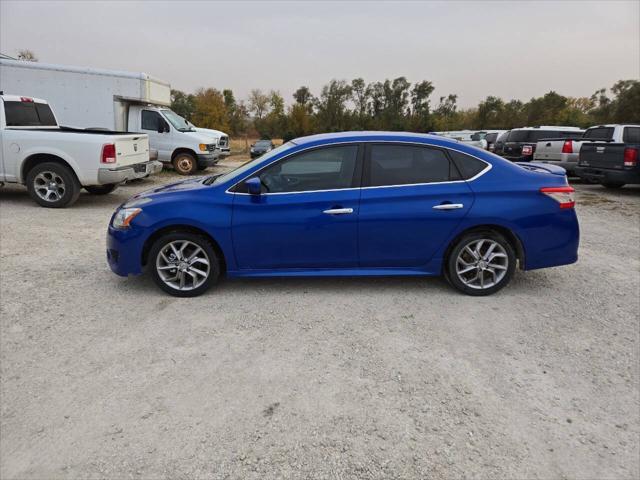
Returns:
<point x="407" y="165"/>
<point x="328" y="168"/>
<point x="28" y="114"/>
<point x="150" y="120"/>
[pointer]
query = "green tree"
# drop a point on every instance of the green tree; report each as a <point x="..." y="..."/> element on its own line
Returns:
<point x="332" y="113"/>
<point x="210" y="110"/>
<point x="182" y="103"/>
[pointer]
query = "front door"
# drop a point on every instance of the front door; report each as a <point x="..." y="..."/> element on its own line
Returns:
<point x="305" y="217"/>
<point x="149" y="122"/>
<point x="412" y="199"/>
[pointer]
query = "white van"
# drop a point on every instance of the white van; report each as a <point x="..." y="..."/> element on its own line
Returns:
<point x="115" y="100"/>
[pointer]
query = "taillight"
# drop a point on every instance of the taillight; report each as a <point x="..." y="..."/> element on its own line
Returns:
<point x="567" y="147"/>
<point x="527" y="150"/>
<point x="108" y="153"/>
<point x="562" y="195"/>
<point x="630" y="157"/>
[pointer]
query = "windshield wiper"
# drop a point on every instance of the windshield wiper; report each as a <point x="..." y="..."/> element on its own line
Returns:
<point x="210" y="179"/>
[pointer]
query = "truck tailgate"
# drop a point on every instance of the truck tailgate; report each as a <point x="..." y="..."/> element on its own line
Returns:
<point x="131" y="149"/>
<point x="602" y="155"/>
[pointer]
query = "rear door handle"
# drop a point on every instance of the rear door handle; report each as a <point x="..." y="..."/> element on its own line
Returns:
<point x="448" y="206"/>
<point x="338" y="211"/>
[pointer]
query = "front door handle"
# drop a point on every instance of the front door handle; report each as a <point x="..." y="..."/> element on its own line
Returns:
<point x="448" y="206"/>
<point x="338" y="211"/>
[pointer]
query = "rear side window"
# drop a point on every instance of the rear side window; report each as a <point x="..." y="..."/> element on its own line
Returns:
<point x="408" y="165"/>
<point x="599" y="133"/>
<point x="468" y="166"/>
<point x="28" y="114"/>
<point x="631" y="135"/>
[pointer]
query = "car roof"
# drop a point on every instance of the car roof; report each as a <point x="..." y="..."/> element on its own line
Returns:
<point x="548" y="127"/>
<point x="372" y="135"/>
<point x="18" y="98"/>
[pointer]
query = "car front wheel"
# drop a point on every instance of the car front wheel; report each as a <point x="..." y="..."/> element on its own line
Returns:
<point x="185" y="164"/>
<point x="481" y="263"/>
<point x="184" y="264"/>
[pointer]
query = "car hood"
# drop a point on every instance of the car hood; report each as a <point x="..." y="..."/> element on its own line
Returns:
<point x="165" y="191"/>
<point x="202" y="137"/>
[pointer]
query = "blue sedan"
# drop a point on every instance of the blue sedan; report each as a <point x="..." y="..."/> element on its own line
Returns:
<point x="352" y="204"/>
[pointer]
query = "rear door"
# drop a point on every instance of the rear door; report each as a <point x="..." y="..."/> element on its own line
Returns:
<point x="412" y="199"/>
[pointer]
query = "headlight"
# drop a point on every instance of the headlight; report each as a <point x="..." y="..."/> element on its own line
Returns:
<point x="123" y="217"/>
<point x="203" y="147"/>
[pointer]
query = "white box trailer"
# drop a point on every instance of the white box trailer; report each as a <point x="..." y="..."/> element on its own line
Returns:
<point x="115" y="100"/>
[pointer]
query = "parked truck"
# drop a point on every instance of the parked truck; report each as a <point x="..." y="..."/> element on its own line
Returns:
<point x="613" y="161"/>
<point x="116" y="100"/>
<point x="56" y="162"/>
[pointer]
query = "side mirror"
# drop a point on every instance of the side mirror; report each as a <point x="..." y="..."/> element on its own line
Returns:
<point x="254" y="186"/>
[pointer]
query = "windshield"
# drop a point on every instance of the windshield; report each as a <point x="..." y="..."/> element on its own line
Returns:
<point x="237" y="172"/>
<point x="263" y="143"/>
<point x="177" y="121"/>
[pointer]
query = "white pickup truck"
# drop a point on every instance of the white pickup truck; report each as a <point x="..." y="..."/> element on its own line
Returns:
<point x="55" y="162"/>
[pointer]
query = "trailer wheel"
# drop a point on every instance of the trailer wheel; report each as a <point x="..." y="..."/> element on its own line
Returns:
<point x="185" y="164"/>
<point x="101" y="189"/>
<point x="53" y="185"/>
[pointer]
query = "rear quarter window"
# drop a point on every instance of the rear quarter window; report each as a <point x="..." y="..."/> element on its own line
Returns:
<point x="631" y="135"/>
<point x="468" y="166"/>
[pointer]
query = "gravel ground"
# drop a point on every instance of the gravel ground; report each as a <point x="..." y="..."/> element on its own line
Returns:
<point x="106" y="377"/>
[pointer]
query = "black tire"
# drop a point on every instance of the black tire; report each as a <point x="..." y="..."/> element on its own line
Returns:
<point x="53" y="185"/>
<point x="185" y="163"/>
<point x="101" y="189"/>
<point x="613" y="185"/>
<point x="451" y="273"/>
<point x="161" y="243"/>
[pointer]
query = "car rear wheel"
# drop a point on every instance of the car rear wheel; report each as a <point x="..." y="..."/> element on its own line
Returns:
<point x="185" y="164"/>
<point x="101" y="189"/>
<point x="184" y="264"/>
<point x="53" y="185"/>
<point x="481" y="263"/>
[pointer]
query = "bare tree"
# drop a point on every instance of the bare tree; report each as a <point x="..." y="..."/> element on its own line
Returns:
<point x="27" y="55"/>
<point x="258" y="103"/>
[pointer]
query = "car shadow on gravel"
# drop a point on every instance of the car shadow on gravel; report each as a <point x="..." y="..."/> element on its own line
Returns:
<point x="529" y="283"/>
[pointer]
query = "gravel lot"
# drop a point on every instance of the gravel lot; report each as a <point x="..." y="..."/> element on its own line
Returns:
<point x="105" y="377"/>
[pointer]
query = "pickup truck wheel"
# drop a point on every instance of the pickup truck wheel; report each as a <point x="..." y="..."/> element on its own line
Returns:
<point x="101" y="189"/>
<point x="183" y="264"/>
<point x="53" y="185"/>
<point x="185" y="164"/>
<point x="613" y="185"/>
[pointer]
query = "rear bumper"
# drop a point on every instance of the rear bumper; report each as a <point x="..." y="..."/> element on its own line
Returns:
<point x="600" y="175"/>
<point x="130" y="172"/>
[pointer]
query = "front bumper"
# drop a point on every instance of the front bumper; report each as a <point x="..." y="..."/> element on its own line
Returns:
<point x="124" y="251"/>
<point x="130" y="172"/>
<point x="207" y="159"/>
<point x="601" y="175"/>
<point x="224" y="151"/>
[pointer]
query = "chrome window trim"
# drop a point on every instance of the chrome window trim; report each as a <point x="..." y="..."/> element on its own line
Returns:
<point x="475" y="177"/>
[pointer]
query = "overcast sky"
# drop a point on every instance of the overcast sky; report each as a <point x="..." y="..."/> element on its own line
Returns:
<point x="472" y="48"/>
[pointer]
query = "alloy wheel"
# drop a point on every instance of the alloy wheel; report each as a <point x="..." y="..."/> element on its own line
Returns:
<point x="183" y="265"/>
<point x="49" y="186"/>
<point x="482" y="264"/>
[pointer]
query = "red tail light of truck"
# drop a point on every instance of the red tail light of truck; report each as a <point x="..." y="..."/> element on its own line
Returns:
<point x="108" y="153"/>
<point x="567" y="147"/>
<point x="630" y="157"/>
<point x="527" y="150"/>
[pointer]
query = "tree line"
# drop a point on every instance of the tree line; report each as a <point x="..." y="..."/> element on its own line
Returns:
<point x="395" y="105"/>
